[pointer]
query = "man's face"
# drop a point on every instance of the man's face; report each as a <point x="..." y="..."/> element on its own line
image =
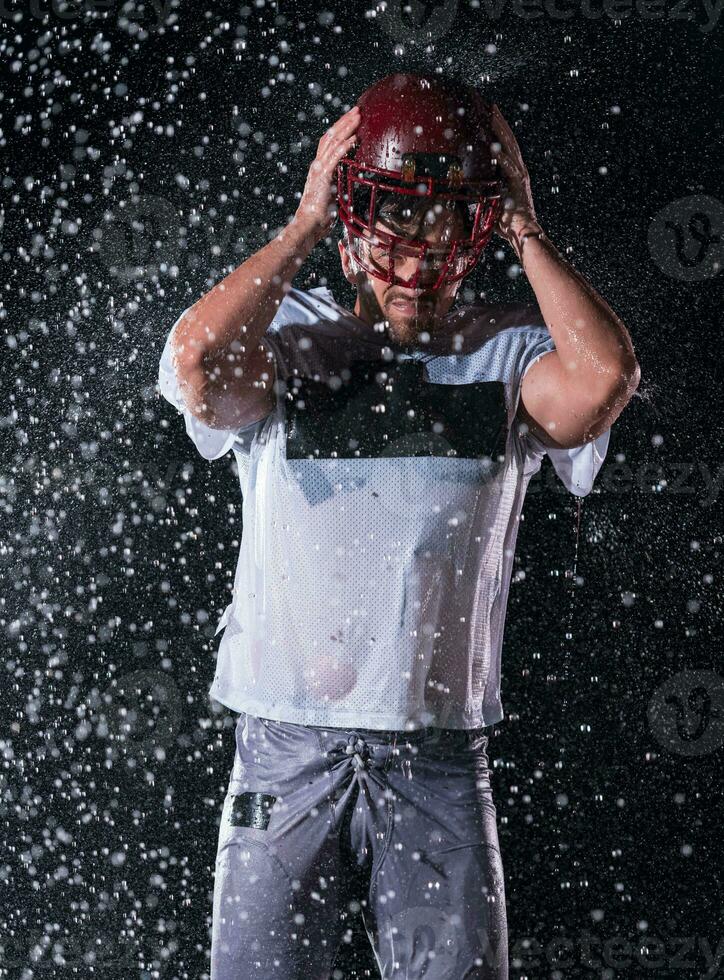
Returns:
<point x="406" y="313"/>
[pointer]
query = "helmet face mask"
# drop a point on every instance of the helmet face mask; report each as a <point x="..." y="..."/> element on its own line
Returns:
<point x="383" y="244"/>
<point x="412" y="162"/>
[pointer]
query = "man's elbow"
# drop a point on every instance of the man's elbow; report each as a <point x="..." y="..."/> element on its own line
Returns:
<point x="635" y="377"/>
<point x="629" y="377"/>
<point x="194" y="379"/>
<point x="617" y="385"/>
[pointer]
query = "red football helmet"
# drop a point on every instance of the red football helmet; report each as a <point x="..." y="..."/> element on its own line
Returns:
<point x="419" y="137"/>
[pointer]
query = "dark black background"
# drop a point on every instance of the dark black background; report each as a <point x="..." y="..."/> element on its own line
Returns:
<point x="146" y="152"/>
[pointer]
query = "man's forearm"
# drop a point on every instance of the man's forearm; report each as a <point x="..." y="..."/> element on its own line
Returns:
<point x="593" y="344"/>
<point x="232" y="317"/>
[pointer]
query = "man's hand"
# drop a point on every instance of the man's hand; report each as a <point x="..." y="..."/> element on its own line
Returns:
<point x="317" y="210"/>
<point x="518" y="215"/>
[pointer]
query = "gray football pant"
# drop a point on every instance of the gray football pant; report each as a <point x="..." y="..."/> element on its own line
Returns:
<point x="319" y="823"/>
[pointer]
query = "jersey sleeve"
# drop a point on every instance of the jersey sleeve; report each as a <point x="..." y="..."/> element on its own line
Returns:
<point x="578" y="466"/>
<point x="211" y="443"/>
<point x="289" y="339"/>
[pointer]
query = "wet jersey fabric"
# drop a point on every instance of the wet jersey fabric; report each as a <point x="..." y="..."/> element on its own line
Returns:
<point x="381" y="502"/>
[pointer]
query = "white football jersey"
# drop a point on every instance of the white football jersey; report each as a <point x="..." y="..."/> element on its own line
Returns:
<point x="381" y="502"/>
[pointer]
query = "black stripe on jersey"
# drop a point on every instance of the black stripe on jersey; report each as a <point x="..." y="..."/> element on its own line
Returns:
<point x="387" y="408"/>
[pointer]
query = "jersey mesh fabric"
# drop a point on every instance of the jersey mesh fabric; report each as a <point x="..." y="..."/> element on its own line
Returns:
<point x="372" y="582"/>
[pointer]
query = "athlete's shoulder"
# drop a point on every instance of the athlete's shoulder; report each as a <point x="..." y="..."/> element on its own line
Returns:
<point x="489" y="341"/>
<point x="302" y="308"/>
<point x="316" y="311"/>
<point x="479" y="324"/>
<point x="312" y="334"/>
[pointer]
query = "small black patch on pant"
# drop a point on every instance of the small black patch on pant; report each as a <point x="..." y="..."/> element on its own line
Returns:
<point x="252" y="810"/>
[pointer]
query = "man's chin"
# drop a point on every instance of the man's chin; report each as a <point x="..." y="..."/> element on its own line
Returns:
<point x="421" y="318"/>
<point x="405" y="336"/>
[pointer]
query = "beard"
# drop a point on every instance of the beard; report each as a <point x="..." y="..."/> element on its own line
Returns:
<point x="403" y="330"/>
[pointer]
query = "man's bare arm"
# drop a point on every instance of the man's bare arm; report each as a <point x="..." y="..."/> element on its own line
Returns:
<point x="225" y="372"/>
<point x="572" y="394"/>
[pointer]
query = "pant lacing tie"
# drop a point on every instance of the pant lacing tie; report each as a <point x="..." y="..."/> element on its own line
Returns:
<point x="359" y="750"/>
